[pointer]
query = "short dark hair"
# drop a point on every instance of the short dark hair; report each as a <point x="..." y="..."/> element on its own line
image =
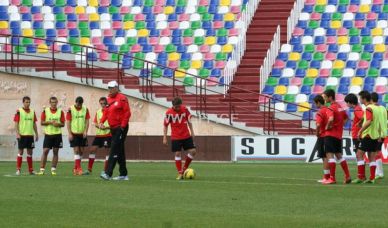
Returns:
<point x="26" y="98"/>
<point x="351" y="98"/>
<point x="53" y="98"/>
<point x="79" y="100"/>
<point x="365" y="95"/>
<point x="176" y="101"/>
<point x="330" y="93"/>
<point x="103" y="99"/>
<point x="319" y="99"/>
<point x="375" y="97"/>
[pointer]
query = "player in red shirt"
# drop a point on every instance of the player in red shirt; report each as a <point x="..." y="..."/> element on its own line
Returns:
<point x="321" y="121"/>
<point x="352" y="102"/>
<point x="333" y="137"/>
<point x="77" y="118"/>
<point x="178" y="117"/>
<point x="25" y="126"/>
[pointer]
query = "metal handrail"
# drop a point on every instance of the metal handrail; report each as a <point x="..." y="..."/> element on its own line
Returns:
<point x="202" y="91"/>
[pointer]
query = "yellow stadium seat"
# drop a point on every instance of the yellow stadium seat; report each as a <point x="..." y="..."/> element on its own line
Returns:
<point x="79" y="10"/>
<point x="364" y="9"/>
<point x="377" y="32"/>
<point x="93" y="3"/>
<point x="181" y="73"/>
<point x="321" y="2"/>
<point x="229" y="17"/>
<point x="227" y="48"/>
<point x="28" y="32"/>
<point x="379" y="48"/>
<point x="128" y="25"/>
<point x="338" y="64"/>
<point x="210" y="40"/>
<point x="196" y="64"/>
<point x="84" y="41"/>
<point x="343" y="40"/>
<point x="42" y="48"/>
<point x="225" y="3"/>
<point x="305" y="108"/>
<point x="335" y="24"/>
<point x="94" y="17"/>
<point x="312" y="73"/>
<point x="173" y="56"/>
<point x="168" y="10"/>
<point x="294" y="56"/>
<point x="280" y="89"/>
<point x="4" y="25"/>
<point x="357" y="81"/>
<point x="142" y="33"/>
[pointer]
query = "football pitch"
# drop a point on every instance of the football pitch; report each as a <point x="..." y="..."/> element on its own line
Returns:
<point x="222" y="195"/>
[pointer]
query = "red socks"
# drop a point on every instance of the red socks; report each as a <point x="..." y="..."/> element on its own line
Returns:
<point x="92" y="157"/>
<point x="326" y="174"/>
<point x="19" y="160"/>
<point x="29" y="162"/>
<point x="188" y="160"/>
<point x="332" y="168"/>
<point x="345" y="168"/>
<point x="77" y="162"/>
<point x="178" y="164"/>
<point x="361" y="170"/>
<point x="106" y="163"/>
<point x="372" y="167"/>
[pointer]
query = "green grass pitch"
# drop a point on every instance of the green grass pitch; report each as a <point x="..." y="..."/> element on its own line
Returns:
<point x="222" y="195"/>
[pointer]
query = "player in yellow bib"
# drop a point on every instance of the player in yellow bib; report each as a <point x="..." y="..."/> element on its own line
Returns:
<point x="382" y="113"/>
<point x="52" y="119"/>
<point x="77" y="119"/>
<point x="103" y="137"/>
<point x="25" y="126"/>
<point x="369" y="135"/>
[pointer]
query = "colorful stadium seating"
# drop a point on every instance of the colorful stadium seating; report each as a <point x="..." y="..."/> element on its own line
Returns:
<point x="196" y="34"/>
<point x="339" y="44"/>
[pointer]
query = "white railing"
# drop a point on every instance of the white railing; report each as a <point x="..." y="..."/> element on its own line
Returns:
<point x="270" y="58"/>
<point x="239" y="49"/>
<point x="293" y="18"/>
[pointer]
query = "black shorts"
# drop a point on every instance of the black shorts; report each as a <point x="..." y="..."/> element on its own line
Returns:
<point x="78" y="141"/>
<point x="102" y="142"/>
<point x="185" y="144"/>
<point x="320" y="147"/>
<point x="379" y="145"/>
<point x="52" y="141"/>
<point x="26" y="142"/>
<point x="368" y="145"/>
<point x="333" y="145"/>
<point x="356" y="145"/>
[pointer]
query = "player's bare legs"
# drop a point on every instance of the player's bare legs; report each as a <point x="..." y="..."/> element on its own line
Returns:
<point x="178" y="164"/>
<point x="43" y="160"/>
<point x="189" y="157"/>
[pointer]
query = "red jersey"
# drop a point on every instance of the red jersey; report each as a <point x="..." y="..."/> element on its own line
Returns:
<point x="321" y="120"/>
<point x="117" y="111"/>
<point x="179" y="123"/>
<point x="339" y="115"/>
<point x="43" y="115"/>
<point x="16" y="118"/>
<point x="358" y="115"/>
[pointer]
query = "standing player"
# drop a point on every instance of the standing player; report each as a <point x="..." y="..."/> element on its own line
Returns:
<point x="321" y="122"/>
<point x="352" y="102"/>
<point x="77" y="125"/>
<point x="383" y="133"/>
<point x="25" y="126"/>
<point x="103" y="137"/>
<point x="333" y="137"/>
<point x="181" y="138"/>
<point x="117" y="113"/>
<point x="368" y="134"/>
<point x="53" y="119"/>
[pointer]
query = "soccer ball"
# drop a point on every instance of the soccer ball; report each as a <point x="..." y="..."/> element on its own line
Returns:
<point x="189" y="174"/>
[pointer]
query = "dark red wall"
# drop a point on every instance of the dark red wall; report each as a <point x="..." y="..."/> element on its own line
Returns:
<point x="209" y="148"/>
